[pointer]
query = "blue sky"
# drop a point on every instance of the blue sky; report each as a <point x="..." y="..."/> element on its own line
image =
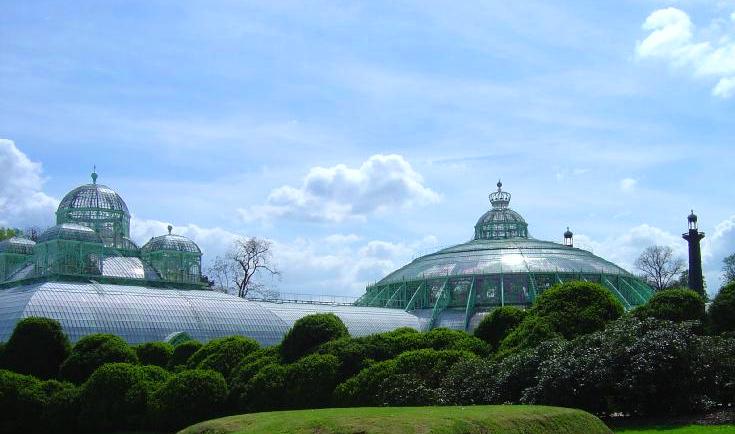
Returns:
<point x="356" y="135"/>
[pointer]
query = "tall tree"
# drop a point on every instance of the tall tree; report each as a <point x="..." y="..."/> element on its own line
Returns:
<point x="728" y="269"/>
<point x="244" y="267"/>
<point x="659" y="267"/>
<point x="6" y="233"/>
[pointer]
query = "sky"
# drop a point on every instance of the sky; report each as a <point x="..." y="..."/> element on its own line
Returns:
<point x="358" y="135"/>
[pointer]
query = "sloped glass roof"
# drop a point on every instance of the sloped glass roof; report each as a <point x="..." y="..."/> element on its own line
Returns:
<point x="94" y="196"/>
<point x="171" y="242"/>
<point x="70" y="231"/>
<point x="17" y="245"/>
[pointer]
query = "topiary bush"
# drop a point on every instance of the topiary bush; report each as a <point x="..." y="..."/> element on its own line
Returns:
<point x="530" y="332"/>
<point x="311" y="381"/>
<point x="223" y="354"/>
<point x="673" y="305"/>
<point x="61" y="412"/>
<point x="469" y="382"/>
<point x="37" y="347"/>
<point x="498" y="324"/>
<point x="266" y="389"/>
<point x="91" y="352"/>
<point x="309" y="332"/>
<point x="721" y="313"/>
<point x="22" y="401"/>
<point x="188" y="397"/>
<point x="446" y="339"/>
<point x="154" y="353"/>
<point x="241" y="375"/>
<point x="181" y="354"/>
<point x="116" y="396"/>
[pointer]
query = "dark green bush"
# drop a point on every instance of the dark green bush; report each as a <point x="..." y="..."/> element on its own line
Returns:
<point x="498" y="324"/>
<point x="61" y="413"/>
<point x="223" y="354"/>
<point x="37" y="347"/>
<point x="188" y="397"/>
<point x="22" y="401"/>
<point x="91" y="352"/>
<point x="116" y="396"/>
<point x="242" y="375"/>
<point x="673" y="305"/>
<point x="265" y="390"/>
<point x="309" y="332"/>
<point x="469" y="382"/>
<point x="182" y="352"/>
<point x="517" y="373"/>
<point x="154" y="353"/>
<point x="311" y="381"/>
<point x="530" y="332"/>
<point x="721" y="313"/>
<point x="446" y="339"/>
<point x="365" y="388"/>
<point x="403" y="390"/>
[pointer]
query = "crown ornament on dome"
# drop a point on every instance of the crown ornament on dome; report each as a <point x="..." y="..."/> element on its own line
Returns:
<point x="499" y="199"/>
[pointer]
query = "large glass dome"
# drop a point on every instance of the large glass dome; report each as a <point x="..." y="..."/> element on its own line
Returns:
<point x="100" y="208"/>
<point x="502" y="265"/>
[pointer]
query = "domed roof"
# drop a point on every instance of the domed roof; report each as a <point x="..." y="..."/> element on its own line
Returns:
<point x="171" y="242"/>
<point x="17" y="245"/>
<point x="500" y="222"/>
<point x="94" y="196"/>
<point x="70" y="231"/>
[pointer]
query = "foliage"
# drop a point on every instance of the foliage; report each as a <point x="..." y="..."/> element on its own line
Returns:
<point x="91" y="352"/>
<point x="241" y="375"/>
<point x="154" y="353"/>
<point x="659" y="267"/>
<point x="264" y="391"/>
<point x="721" y="313"/>
<point x="188" y="397"/>
<point x="498" y="324"/>
<point x="446" y="339"/>
<point x="309" y="332"/>
<point x="673" y="305"/>
<point x="223" y="354"/>
<point x="311" y="381"/>
<point x="728" y="269"/>
<point x="530" y="332"/>
<point x="22" y="401"/>
<point x="116" y="396"/>
<point x="182" y="352"/>
<point x="6" y="233"/>
<point x="37" y="347"/>
<point x="61" y="413"/>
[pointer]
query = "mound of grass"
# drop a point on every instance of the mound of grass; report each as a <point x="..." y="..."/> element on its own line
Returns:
<point x="409" y="420"/>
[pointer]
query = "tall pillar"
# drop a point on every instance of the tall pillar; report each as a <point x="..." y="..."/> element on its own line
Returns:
<point x="693" y="237"/>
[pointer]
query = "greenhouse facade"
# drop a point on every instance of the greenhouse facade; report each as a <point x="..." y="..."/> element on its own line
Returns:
<point x="89" y="275"/>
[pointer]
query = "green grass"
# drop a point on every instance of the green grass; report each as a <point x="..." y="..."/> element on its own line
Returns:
<point x="409" y="420"/>
<point x="687" y="429"/>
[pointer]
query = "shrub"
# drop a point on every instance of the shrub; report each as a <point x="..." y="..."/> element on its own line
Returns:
<point x="22" y="401"/>
<point x="517" y="373"/>
<point x="403" y="390"/>
<point x="721" y="313"/>
<point x="188" y="397"/>
<point x="182" y="352"/>
<point x="530" y="332"/>
<point x="37" y="347"/>
<point x="93" y="351"/>
<point x="309" y="332"/>
<point x="61" y="413"/>
<point x="469" y="382"/>
<point x="265" y="391"/>
<point x="154" y="353"/>
<point x="223" y="354"/>
<point x="674" y="305"/>
<point x="241" y="375"/>
<point x="116" y="397"/>
<point x="446" y="339"/>
<point x="498" y="324"/>
<point x="311" y="381"/>
<point x="364" y="389"/>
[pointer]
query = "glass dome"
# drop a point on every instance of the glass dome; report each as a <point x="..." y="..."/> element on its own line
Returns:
<point x="70" y="232"/>
<point x="171" y="242"/>
<point x="17" y="245"/>
<point x="100" y="208"/>
<point x="175" y="258"/>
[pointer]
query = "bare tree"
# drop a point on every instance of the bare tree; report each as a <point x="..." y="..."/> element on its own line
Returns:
<point x="242" y="269"/>
<point x="659" y="267"/>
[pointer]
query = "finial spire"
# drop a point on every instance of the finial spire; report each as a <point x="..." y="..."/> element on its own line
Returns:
<point x="500" y="198"/>
<point x="499" y="184"/>
<point x="170" y="228"/>
<point x="94" y="174"/>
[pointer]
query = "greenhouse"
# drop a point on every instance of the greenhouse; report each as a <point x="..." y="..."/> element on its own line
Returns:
<point x="501" y="265"/>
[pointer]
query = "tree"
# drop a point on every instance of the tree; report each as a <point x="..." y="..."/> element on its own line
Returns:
<point x="728" y="269"/>
<point x="6" y="233"/>
<point x="243" y="266"/>
<point x="659" y="266"/>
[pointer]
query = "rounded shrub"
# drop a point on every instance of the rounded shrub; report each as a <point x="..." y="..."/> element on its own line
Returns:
<point x="22" y="401"/>
<point x="154" y="353"/>
<point x="498" y="324"/>
<point x="674" y="305"/>
<point x="223" y="354"/>
<point x="311" y="381"/>
<point x="529" y="333"/>
<point x="721" y="313"/>
<point x="469" y="382"/>
<point x="37" y="347"/>
<point x="309" y="332"/>
<point x="266" y="389"/>
<point x="182" y="352"/>
<point x="576" y="308"/>
<point x="446" y="339"/>
<point x="188" y="397"/>
<point x="93" y="351"/>
<point x="61" y="413"/>
<point x="241" y="375"/>
<point x="116" y="397"/>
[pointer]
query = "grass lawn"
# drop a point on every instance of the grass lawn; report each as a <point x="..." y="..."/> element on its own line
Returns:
<point x="409" y="420"/>
<point x="687" y="429"/>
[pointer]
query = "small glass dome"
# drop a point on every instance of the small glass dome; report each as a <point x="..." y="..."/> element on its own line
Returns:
<point x="70" y="232"/>
<point x="93" y="196"/>
<point x="17" y="245"/>
<point x="172" y="243"/>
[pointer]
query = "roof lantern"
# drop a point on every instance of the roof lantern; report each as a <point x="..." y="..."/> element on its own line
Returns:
<point x="500" y="222"/>
<point x="568" y="238"/>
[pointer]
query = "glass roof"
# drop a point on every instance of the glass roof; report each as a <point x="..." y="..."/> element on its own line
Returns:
<point x="94" y="196"/>
<point x="17" y="245"/>
<point x="142" y="314"/>
<point x="70" y="231"/>
<point x="171" y="242"/>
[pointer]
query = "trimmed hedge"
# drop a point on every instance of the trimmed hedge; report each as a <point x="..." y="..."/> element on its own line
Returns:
<point x="22" y="401"/>
<point x="154" y="353"/>
<point x="673" y="305"/>
<point x="498" y="324"/>
<point x="721" y="313"/>
<point x="37" y="347"/>
<point x="93" y="351"/>
<point x="223" y="354"/>
<point x="182" y="352"/>
<point x="188" y="397"/>
<point x="309" y="332"/>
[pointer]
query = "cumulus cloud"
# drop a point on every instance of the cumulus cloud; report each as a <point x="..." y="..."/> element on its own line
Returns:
<point x="671" y="38"/>
<point x="22" y="201"/>
<point x="339" y="193"/>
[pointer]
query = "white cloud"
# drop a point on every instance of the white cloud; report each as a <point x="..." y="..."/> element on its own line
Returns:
<point x="672" y="38"/>
<point x="628" y="184"/>
<point x="22" y="201"/>
<point x="339" y="193"/>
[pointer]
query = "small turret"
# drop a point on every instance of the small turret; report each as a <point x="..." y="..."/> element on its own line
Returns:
<point x="568" y="238"/>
